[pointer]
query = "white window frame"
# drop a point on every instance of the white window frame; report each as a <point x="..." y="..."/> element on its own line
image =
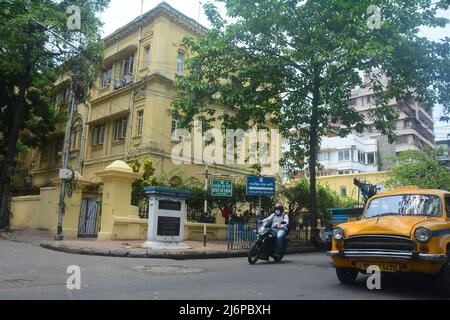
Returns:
<point x="120" y="129"/>
<point x="344" y="152"/>
<point x="106" y="78"/>
<point x="98" y="135"/>
<point x="147" y="56"/>
<point x="181" y="57"/>
<point x="128" y="66"/>
<point x="322" y="156"/>
<point x="174" y="129"/>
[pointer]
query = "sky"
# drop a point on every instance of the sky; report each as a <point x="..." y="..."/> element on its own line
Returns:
<point x="120" y="12"/>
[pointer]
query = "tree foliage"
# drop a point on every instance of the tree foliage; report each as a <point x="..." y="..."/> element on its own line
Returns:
<point x="297" y="197"/>
<point x="294" y="63"/>
<point x="30" y="59"/>
<point x="419" y="168"/>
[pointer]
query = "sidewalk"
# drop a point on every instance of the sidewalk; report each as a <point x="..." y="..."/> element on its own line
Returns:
<point x="132" y="248"/>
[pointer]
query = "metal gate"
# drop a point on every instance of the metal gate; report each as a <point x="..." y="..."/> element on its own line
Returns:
<point x="89" y="217"/>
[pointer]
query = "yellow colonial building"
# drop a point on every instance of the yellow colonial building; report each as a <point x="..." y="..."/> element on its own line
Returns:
<point x="128" y="115"/>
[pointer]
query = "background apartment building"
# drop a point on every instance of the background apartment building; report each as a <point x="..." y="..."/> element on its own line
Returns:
<point x="349" y="155"/>
<point x="414" y="128"/>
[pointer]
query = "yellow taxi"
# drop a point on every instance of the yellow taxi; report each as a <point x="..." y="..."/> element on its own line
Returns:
<point x="405" y="230"/>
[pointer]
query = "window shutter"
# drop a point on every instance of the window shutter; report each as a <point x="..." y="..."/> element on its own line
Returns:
<point x="101" y="135"/>
<point x="124" y="129"/>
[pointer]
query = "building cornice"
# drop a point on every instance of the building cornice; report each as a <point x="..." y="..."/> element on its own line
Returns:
<point x="162" y="9"/>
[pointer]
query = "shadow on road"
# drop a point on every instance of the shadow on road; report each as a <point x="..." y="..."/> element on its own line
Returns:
<point x="407" y="286"/>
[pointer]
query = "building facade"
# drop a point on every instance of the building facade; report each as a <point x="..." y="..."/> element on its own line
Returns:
<point x="349" y="155"/>
<point x="414" y="128"/>
<point x="128" y="115"/>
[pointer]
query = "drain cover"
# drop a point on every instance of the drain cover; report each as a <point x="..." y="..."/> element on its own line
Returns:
<point x="168" y="269"/>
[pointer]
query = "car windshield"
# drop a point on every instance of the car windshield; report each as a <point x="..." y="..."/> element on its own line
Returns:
<point x="405" y="204"/>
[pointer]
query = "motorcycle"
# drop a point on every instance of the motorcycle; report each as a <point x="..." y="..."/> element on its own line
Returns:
<point x="264" y="246"/>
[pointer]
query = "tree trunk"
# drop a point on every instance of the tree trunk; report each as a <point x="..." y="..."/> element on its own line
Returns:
<point x="313" y="144"/>
<point x="13" y="137"/>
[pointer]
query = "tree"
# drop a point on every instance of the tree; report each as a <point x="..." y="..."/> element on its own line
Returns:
<point x="30" y="58"/>
<point x="419" y="168"/>
<point x="297" y="197"/>
<point x="294" y="63"/>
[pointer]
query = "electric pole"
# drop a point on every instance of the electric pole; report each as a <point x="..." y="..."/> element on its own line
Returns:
<point x="65" y="173"/>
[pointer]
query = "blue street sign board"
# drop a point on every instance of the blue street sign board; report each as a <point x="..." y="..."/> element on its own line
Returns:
<point x="260" y="186"/>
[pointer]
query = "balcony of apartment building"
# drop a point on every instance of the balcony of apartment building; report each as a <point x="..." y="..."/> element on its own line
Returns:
<point x="412" y="126"/>
<point x="118" y="72"/>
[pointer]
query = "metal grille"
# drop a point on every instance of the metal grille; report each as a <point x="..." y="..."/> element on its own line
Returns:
<point x="379" y="242"/>
<point x="89" y="215"/>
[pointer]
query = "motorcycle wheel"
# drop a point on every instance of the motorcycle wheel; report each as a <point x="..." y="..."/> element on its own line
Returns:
<point x="278" y="258"/>
<point x="253" y="254"/>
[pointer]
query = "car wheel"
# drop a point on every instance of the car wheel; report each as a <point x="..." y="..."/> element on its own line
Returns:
<point x="346" y="276"/>
<point x="444" y="279"/>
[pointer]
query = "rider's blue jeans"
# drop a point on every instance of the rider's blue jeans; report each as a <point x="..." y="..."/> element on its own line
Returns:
<point x="281" y="234"/>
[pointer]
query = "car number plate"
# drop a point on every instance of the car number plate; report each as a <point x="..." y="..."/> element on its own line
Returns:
<point x="384" y="267"/>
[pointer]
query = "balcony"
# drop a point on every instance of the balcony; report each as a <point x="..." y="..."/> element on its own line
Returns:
<point x="126" y="80"/>
<point x="404" y="107"/>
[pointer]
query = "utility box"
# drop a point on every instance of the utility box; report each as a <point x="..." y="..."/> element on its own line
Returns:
<point x="166" y="211"/>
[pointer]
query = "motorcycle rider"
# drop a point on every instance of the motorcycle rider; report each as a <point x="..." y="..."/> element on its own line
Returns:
<point x="281" y="229"/>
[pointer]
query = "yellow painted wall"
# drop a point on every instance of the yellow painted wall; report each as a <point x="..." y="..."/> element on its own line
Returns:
<point x="346" y="180"/>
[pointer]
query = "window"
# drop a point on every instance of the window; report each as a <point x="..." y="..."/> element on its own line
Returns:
<point x="127" y="66"/>
<point x="361" y="157"/>
<point x="120" y="129"/>
<point x="371" y="158"/>
<point x="76" y="137"/>
<point x="98" y="136"/>
<point x="344" y="155"/>
<point x="174" y="133"/>
<point x="343" y="191"/>
<point x="147" y="56"/>
<point x="352" y="102"/>
<point x="408" y="124"/>
<point x="322" y="156"/>
<point x="45" y="151"/>
<point x="106" y="77"/>
<point x="140" y="122"/>
<point x="59" y="147"/>
<point x="64" y="94"/>
<point x="180" y="62"/>
<point x="447" y="206"/>
<point x="407" y="204"/>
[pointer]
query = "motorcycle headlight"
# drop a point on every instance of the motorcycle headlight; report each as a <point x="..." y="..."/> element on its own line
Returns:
<point x="422" y="234"/>
<point x="338" y="234"/>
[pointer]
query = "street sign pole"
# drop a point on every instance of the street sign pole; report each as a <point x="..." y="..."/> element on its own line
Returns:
<point x="206" y="205"/>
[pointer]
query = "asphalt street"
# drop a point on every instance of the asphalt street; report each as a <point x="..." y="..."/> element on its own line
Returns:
<point x="30" y="272"/>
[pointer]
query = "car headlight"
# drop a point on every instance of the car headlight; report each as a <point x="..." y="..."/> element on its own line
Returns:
<point x="338" y="234"/>
<point x="422" y="234"/>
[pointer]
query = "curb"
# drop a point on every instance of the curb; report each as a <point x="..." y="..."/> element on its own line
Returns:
<point x="158" y="254"/>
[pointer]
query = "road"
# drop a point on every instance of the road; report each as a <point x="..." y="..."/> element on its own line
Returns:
<point x="30" y="272"/>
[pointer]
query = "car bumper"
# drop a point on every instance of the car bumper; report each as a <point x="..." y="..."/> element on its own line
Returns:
<point x="410" y="256"/>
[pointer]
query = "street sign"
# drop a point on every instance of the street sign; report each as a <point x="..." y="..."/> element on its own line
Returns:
<point x="221" y="188"/>
<point x="260" y="186"/>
